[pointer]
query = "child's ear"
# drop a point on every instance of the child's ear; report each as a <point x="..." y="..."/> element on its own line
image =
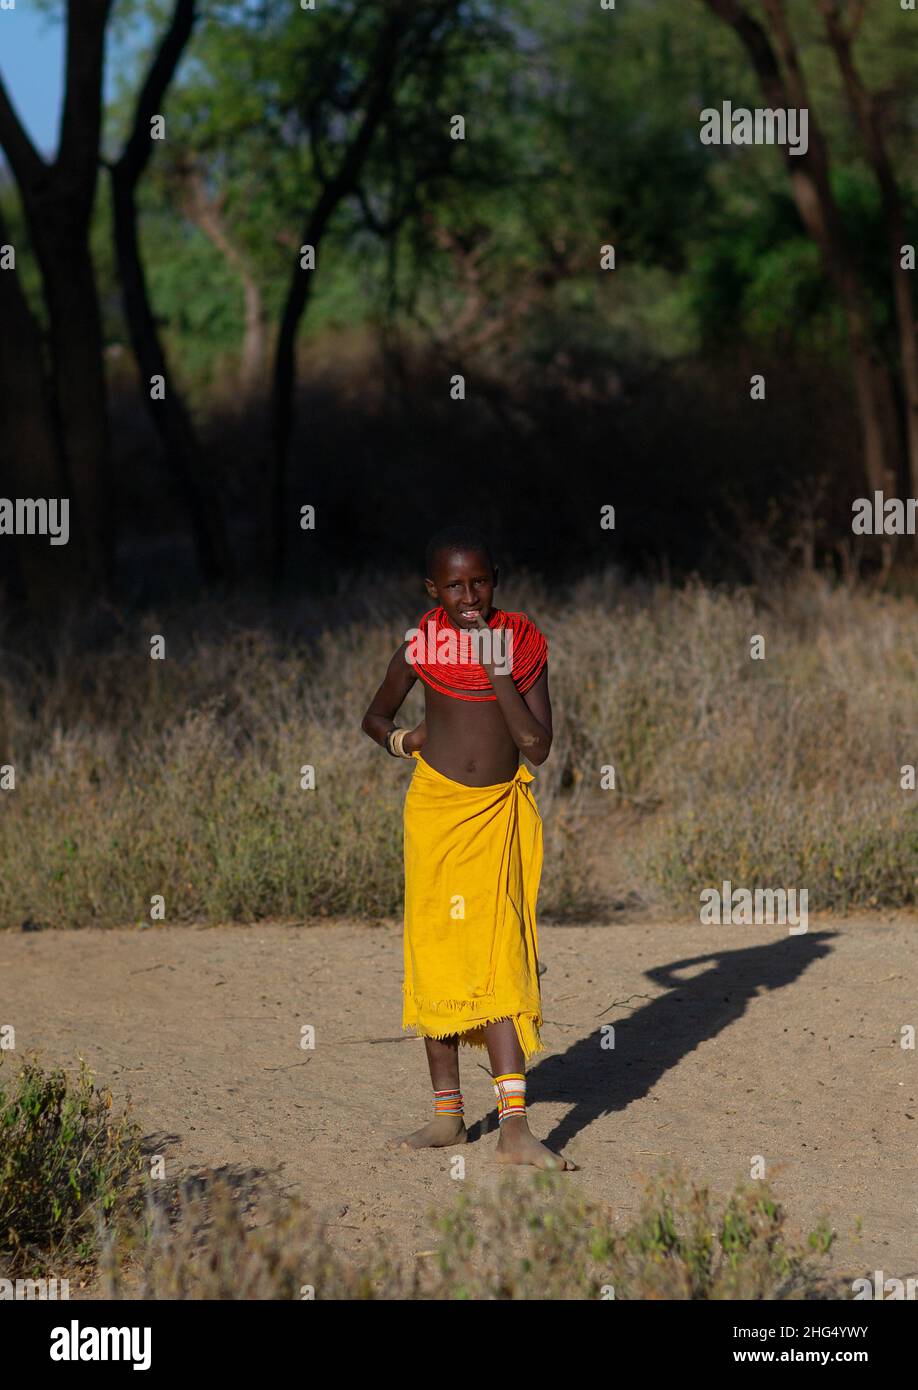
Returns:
<point x="496" y="573"/>
<point x="431" y="588"/>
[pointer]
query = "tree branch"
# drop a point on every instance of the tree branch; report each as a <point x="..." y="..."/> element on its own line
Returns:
<point x="81" y="118"/>
<point x="138" y="148"/>
<point x="25" y="161"/>
<point x="382" y="229"/>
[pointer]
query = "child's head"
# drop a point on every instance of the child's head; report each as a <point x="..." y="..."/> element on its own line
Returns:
<point x="461" y="574"/>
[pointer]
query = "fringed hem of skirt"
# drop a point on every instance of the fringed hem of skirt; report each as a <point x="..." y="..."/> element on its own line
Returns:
<point x="470" y="1032"/>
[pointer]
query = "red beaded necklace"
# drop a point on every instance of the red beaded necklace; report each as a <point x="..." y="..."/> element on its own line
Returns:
<point x="447" y="663"/>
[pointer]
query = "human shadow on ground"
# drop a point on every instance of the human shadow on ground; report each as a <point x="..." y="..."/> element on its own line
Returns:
<point x="600" y="1080"/>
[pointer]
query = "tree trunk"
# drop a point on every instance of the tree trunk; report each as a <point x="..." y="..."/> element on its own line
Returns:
<point x="809" y="175"/>
<point x="79" y="379"/>
<point x="58" y="201"/>
<point x="169" y="415"/>
<point x="29" y="445"/>
<point x="334" y="190"/>
<point x="206" y="214"/>
<point x="170" y="418"/>
<point x="865" y="109"/>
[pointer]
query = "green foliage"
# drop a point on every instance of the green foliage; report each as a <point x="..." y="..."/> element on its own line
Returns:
<point x="66" y="1164"/>
<point x="582" y="130"/>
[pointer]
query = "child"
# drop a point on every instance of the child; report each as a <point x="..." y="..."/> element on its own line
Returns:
<point x="473" y="838"/>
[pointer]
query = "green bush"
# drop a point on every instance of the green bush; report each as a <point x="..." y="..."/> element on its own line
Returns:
<point x="66" y="1165"/>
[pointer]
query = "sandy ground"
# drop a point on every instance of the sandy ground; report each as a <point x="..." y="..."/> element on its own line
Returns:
<point x="730" y="1042"/>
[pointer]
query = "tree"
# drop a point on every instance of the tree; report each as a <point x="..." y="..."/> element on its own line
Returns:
<point x="810" y="180"/>
<point x="58" y="201"/>
<point x="867" y="112"/>
<point x="403" y="37"/>
<point x="30" y="444"/>
<point x="169" y="415"/>
<point x="207" y="210"/>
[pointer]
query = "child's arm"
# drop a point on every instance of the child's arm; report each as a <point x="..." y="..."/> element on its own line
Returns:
<point x="528" y="716"/>
<point x="380" y="717"/>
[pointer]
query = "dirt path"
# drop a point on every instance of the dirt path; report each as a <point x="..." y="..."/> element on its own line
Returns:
<point x="784" y="1046"/>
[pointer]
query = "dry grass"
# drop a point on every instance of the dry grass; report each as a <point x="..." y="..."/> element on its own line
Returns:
<point x="72" y="1197"/>
<point x="530" y="1240"/>
<point x="181" y="777"/>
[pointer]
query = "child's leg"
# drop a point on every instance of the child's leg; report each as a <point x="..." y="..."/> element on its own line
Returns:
<point x="517" y="1143"/>
<point x="448" y="1124"/>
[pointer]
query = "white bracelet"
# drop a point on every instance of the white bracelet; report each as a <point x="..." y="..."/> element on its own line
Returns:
<point x="396" y="741"/>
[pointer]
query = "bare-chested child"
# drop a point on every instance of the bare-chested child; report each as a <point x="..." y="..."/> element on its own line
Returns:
<point x="473" y="838"/>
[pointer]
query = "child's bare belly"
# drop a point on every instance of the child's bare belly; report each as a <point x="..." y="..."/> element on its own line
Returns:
<point x="468" y="740"/>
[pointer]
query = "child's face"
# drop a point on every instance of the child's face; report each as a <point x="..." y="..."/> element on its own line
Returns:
<point x="463" y="582"/>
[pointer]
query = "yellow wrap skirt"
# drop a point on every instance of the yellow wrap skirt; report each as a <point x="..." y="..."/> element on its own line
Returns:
<point x="473" y="861"/>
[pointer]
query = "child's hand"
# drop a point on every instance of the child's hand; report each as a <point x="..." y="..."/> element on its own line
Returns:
<point x="415" y="740"/>
<point x="483" y="626"/>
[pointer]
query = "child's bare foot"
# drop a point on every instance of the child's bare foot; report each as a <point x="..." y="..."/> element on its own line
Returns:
<point x="517" y="1144"/>
<point x="441" y="1133"/>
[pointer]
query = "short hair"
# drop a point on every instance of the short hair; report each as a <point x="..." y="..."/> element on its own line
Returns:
<point x="451" y="539"/>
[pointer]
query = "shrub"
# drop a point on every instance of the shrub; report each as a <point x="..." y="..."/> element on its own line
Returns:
<point x="67" y="1164"/>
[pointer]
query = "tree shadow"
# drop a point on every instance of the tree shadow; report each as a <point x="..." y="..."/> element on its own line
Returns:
<point x="597" y="1080"/>
<point x="248" y="1184"/>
